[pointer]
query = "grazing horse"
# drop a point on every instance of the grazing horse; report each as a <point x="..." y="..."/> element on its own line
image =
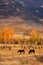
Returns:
<point x="31" y="51"/>
<point x="20" y="51"/>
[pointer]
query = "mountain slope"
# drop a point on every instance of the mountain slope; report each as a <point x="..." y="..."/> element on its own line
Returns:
<point x="28" y="13"/>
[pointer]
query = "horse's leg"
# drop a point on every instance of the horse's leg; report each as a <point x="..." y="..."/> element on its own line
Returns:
<point x="20" y="52"/>
<point x="29" y="52"/>
<point x="24" y="52"/>
<point x="34" y="51"/>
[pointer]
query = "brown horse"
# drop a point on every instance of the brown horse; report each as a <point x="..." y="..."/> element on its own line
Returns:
<point x="21" y="51"/>
<point x="31" y="51"/>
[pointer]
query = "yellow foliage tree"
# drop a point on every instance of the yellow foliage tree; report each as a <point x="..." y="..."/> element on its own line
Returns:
<point x="18" y="39"/>
<point x="12" y="32"/>
<point x="1" y="37"/>
<point x="34" y="36"/>
<point x="33" y="33"/>
<point x="6" y="34"/>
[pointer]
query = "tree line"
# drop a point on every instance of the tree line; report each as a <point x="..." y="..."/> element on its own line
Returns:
<point x="7" y="36"/>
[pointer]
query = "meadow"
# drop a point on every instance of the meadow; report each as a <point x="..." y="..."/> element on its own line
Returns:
<point x="11" y="57"/>
<point x="17" y="49"/>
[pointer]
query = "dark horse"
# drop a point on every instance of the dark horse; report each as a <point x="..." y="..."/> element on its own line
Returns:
<point x="31" y="51"/>
<point x="21" y="51"/>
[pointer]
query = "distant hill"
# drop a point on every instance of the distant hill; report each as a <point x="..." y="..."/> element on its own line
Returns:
<point x="28" y="13"/>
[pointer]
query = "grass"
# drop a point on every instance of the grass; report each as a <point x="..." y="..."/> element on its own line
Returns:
<point x="22" y="61"/>
<point x="11" y="57"/>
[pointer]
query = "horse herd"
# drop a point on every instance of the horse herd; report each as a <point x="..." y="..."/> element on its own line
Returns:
<point x="31" y="50"/>
<point x="23" y="51"/>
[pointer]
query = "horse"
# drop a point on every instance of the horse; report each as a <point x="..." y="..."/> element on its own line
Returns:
<point x="21" y="51"/>
<point x="31" y="51"/>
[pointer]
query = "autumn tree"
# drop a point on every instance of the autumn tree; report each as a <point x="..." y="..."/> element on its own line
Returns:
<point x="1" y="37"/>
<point x="17" y="40"/>
<point x="6" y="34"/>
<point x="39" y="39"/>
<point x="12" y="32"/>
<point x="34" y="36"/>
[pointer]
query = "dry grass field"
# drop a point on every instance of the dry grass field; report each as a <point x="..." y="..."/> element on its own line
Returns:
<point x="10" y="56"/>
<point x="17" y="49"/>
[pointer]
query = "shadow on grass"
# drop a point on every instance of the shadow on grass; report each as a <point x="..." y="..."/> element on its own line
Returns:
<point x="40" y="59"/>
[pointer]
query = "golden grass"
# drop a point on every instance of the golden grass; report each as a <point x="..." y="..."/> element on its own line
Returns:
<point x="11" y="57"/>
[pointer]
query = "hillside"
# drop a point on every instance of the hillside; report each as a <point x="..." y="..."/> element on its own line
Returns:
<point x="26" y="14"/>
